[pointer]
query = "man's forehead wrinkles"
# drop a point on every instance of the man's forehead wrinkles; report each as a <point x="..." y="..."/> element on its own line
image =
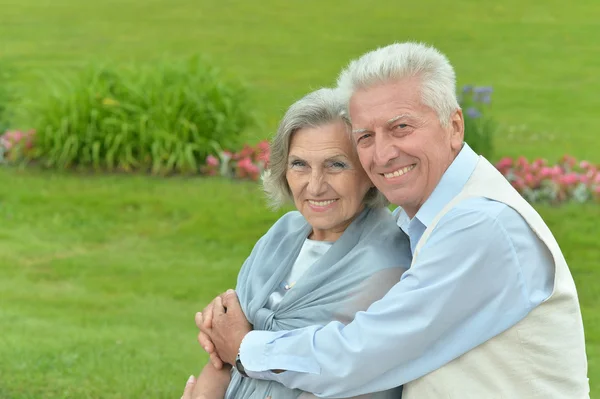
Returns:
<point x="383" y="121"/>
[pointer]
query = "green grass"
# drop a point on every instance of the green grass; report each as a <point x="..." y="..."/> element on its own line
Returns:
<point x="100" y="279"/>
<point x="100" y="275"/>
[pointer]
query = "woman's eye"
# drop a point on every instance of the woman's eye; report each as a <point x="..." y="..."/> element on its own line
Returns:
<point x="338" y="165"/>
<point x="297" y="164"/>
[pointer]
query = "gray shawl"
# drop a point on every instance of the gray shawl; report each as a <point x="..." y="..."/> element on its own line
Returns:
<point x="359" y="268"/>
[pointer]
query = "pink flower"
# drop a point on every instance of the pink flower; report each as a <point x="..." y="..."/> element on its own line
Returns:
<point x="546" y="172"/>
<point x="14" y="138"/>
<point x="7" y="144"/>
<point x="263" y="146"/>
<point x="245" y="152"/>
<point x="569" y="160"/>
<point x="504" y="164"/>
<point x="246" y="169"/>
<point x="584" y="164"/>
<point x="597" y="178"/>
<point x="530" y="180"/>
<point x="569" y="179"/>
<point x="584" y="179"/>
<point x="557" y="170"/>
<point x="244" y="163"/>
<point x="518" y="184"/>
<point x="212" y="161"/>
<point x="523" y="163"/>
<point x="264" y="157"/>
<point x="538" y="163"/>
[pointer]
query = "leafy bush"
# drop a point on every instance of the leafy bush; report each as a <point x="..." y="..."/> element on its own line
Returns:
<point x="479" y="128"/>
<point x="162" y="118"/>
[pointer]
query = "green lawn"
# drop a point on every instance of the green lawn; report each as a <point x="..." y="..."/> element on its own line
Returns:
<point x="100" y="275"/>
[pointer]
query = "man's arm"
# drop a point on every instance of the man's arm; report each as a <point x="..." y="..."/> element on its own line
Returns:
<point x="466" y="287"/>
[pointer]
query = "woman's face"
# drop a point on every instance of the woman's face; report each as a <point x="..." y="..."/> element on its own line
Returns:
<point x="326" y="180"/>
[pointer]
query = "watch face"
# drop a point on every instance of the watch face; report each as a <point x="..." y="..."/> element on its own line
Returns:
<point x="240" y="367"/>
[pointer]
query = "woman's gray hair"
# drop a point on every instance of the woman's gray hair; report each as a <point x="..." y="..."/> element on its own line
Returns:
<point x="316" y="109"/>
<point x="406" y="60"/>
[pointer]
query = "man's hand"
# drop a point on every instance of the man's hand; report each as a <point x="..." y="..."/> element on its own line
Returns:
<point x="227" y="329"/>
<point x="204" y="319"/>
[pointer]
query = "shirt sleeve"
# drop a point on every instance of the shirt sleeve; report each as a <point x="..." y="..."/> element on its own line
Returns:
<point x="466" y="287"/>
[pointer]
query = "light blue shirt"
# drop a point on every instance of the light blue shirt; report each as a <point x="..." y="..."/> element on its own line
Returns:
<point x="481" y="271"/>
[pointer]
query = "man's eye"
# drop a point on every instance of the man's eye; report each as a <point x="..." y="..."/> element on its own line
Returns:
<point x="400" y="126"/>
<point x="363" y="136"/>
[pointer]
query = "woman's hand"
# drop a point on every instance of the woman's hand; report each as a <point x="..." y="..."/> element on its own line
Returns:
<point x="189" y="388"/>
<point x="210" y="384"/>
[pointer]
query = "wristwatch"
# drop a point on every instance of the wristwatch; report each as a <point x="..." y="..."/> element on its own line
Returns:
<point x="239" y="366"/>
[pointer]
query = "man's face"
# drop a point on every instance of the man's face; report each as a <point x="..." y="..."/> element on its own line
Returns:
<point x="401" y="144"/>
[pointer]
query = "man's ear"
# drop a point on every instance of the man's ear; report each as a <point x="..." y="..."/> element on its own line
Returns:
<point x="457" y="130"/>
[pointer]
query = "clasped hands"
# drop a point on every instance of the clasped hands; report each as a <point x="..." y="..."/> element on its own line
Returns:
<point x="223" y="326"/>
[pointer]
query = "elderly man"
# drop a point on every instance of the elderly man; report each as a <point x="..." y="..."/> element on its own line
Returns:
<point x="488" y="308"/>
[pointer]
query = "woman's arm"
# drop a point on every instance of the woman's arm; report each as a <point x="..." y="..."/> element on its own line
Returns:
<point x="210" y="384"/>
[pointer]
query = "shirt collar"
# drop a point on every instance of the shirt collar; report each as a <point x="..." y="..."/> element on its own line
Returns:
<point x="451" y="183"/>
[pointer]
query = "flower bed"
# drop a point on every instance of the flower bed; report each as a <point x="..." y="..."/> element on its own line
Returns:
<point x="538" y="181"/>
<point x="14" y="144"/>
<point x="249" y="163"/>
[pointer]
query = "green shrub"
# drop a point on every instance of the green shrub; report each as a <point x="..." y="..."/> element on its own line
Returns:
<point x="479" y="127"/>
<point x="164" y="118"/>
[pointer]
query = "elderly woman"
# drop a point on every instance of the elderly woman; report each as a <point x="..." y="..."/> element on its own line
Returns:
<point x="339" y="252"/>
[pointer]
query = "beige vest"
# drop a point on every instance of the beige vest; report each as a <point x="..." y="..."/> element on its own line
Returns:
<point x="543" y="356"/>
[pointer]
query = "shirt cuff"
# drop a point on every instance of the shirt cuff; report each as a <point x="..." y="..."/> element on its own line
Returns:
<point x="261" y="352"/>
<point x="253" y="350"/>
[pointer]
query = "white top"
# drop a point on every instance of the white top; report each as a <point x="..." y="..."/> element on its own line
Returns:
<point x="310" y="252"/>
<point x="543" y="355"/>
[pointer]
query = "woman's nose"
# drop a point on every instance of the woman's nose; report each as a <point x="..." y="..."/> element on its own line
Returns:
<point x="316" y="184"/>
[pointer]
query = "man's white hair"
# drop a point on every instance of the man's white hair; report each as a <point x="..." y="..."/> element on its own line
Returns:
<point x="406" y="60"/>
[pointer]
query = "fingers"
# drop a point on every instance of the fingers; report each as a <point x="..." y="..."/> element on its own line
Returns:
<point x="231" y="302"/>
<point x="216" y="361"/>
<point x="199" y="319"/>
<point x="208" y="315"/>
<point x="189" y="387"/>
<point x="208" y="312"/>
<point x="203" y="337"/>
<point x="218" y="309"/>
<point x="206" y="343"/>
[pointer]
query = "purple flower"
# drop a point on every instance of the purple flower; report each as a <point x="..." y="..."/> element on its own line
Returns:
<point x="467" y="89"/>
<point x="473" y="113"/>
<point x="483" y="94"/>
<point x="483" y="90"/>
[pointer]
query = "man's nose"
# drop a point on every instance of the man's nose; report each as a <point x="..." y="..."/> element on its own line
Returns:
<point x="385" y="148"/>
